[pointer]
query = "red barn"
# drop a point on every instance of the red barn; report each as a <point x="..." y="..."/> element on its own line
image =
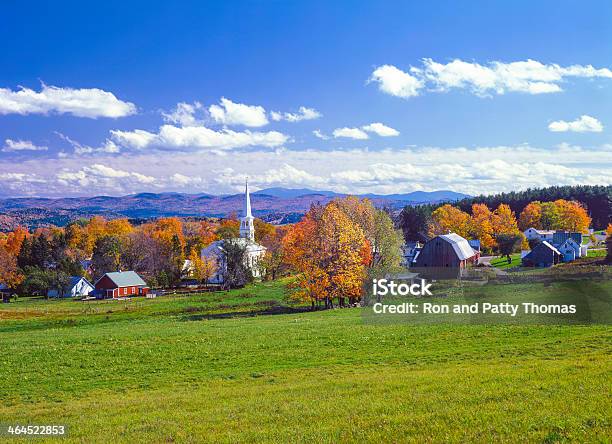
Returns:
<point x="121" y="284"/>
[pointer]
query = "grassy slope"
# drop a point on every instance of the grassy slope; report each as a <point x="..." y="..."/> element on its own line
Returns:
<point x="173" y="368"/>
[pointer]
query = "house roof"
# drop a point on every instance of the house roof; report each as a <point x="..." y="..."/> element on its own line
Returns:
<point x="541" y="231"/>
<point x="571" y="243"/>
<point x="459" y="244"/>
<point x="75" y="280"/>
<point x="217" y="246"/>
<point x="545" y="243"/>
<point x="125" y="279"/>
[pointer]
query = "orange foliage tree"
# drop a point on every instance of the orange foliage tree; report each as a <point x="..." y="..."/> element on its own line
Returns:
<point x="9" y="273"/>
<point x="330" y="252"/>
<point x="531" y="216"/>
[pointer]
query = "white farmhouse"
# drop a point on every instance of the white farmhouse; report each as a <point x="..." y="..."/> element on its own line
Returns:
<point x="254" y="251"/>
<point x="78" y="286"/>
<point x="543" y="235"/>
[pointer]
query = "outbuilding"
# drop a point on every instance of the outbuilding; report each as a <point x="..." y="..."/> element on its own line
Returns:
<point x="121" y="284"/>
<point x="542" y="255"/>
<point x="446" y="250"/>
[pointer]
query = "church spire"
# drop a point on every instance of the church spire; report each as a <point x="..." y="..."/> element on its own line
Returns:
<point x="247" y="201"/>
<point x="247" y="228"/>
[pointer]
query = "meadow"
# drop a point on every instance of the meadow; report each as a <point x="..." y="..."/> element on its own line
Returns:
<point x="248" y="366"/>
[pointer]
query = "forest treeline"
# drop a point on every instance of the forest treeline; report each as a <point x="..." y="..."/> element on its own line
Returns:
<point x="416" y="221"/>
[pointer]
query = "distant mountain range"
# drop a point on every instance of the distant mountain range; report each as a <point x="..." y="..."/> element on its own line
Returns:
<point x="277" y="205"/>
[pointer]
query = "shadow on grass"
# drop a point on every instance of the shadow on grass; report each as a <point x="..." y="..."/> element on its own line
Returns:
<point x="271" y="310"/>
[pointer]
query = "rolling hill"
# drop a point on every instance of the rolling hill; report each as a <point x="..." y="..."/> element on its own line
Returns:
<point x="278" y="205"/>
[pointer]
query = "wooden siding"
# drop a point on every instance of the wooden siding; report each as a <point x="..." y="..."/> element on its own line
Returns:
<point x="439" y="253"/>
<point x="541" y="256"/>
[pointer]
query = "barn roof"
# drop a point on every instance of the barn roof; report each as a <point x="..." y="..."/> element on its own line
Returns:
<point x="550" y="246"/>
<point x="125" y="279"/>
<point x="460" y="245"/>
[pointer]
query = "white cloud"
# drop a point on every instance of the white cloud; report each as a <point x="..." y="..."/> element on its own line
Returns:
<point x="317" y="133"/>
<point x="21" y="145"/>
<point x="86" y="102"/>
<point x="351" y="133"/>
<point x="138" y="139"/>
<point x="303" y="113"/>
<point x="581" y="125"/>
<point x="183" y="114"/>
<point x="380" y="129"/>
<point x="103" y="176"/>
<point x="377" y="128"/>
<point x="230" y="113"/>
<point x="472" y="170"/>
<point x="529" y="76"/>
<point x="198" y="137"/>
<point x="396" y="82"/>
<point x="108" y="147"/>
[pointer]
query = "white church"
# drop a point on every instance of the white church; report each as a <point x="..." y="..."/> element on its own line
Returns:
<point x="254" y="251"/>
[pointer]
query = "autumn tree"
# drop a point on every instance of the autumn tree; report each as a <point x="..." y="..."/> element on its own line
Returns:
<point x="14" y="240"/>
<point x="572" y="216"/>
<point x="198" y="234"/>
<point x="228" y="229"/>
<point x="531" y="216"/>
<point x="550" y="218"/>
<point x="448" y="219"/>
<point x="301" y="247"/>
<point x="94" y="230"/>
<point x="119" y="227"/>
<point x="504" y="221"/>
<point x="342" y="255"/>
<point x="262" y="230"/>
<point x="10" y="274"/>
<point x="273" y="262"/>
<point x="481" y="226"/>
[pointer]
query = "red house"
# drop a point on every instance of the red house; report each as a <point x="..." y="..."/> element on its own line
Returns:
<point x="120" y="284"/>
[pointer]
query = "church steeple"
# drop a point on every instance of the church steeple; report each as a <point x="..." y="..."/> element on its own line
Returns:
<point x="247" y="229"/>
<point x="247" y="201"/>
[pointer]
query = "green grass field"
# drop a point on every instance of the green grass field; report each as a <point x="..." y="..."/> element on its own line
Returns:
<point x="243" y="366"/>
<point x="601" y="252"/>
<point x="502" y="262"/>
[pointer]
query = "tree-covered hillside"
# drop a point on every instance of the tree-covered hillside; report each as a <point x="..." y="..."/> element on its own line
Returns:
<point x="597" y="199"/>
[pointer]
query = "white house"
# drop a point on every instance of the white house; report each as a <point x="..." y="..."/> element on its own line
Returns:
<point x="543" y="235"/>
<point x="78" y="286"/>
<point x="254" y="251"/>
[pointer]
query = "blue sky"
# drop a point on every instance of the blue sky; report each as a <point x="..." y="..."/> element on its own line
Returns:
<point x="489" y="97"/>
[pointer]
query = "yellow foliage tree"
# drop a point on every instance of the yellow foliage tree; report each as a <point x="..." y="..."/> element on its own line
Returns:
<point x="481" y="226"/>
<point x="342" y="253"/>
<point x="572" y="216"/>
<point x="504" y="221"/>
<point x="449" y="219"/>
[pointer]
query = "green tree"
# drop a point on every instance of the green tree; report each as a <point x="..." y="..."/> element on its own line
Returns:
<point x="236" y="272"/>
<point x="508" y="243"/>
